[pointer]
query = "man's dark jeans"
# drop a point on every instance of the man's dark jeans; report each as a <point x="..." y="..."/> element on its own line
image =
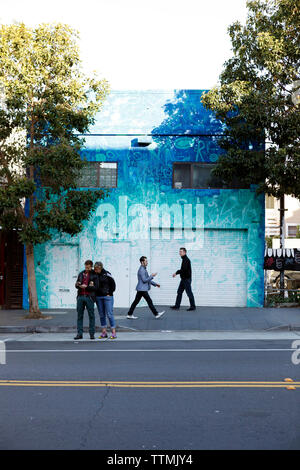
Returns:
<point x="139" y="295"/>
<point x="185" y="285"/>
<point x="82" y="302"/>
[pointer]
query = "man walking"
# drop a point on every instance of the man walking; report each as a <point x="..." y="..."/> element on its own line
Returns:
<point x="186" y="280"/>
<point x="143" y="286"/>
<point x="85" y="298"/>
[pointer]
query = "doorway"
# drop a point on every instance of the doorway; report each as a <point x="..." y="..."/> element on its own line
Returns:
<point x="11" y="270"/>
<point x="63" y="275"/>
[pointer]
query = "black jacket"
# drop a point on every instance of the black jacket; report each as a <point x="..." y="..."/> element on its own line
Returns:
<point x="92" y="284"/>
<point x="105" y="284"/>
<point x="186" y="269"/>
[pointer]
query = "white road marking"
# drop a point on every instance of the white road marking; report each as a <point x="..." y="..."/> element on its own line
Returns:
<point x="2" y="352"/>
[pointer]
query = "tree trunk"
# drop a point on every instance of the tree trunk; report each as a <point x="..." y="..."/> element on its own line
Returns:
<point x="34" y="309"/>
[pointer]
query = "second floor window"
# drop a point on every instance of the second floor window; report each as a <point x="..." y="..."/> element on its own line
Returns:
<point x="199" y="176"/>
<point x="98" y="175"/>
<point x="194" y="175"/>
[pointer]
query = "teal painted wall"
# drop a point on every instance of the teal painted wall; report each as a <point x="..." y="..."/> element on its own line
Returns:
<point x="122" y="227"/>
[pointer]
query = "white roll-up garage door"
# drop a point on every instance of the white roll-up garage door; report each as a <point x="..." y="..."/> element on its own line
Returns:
<point x="219" y="269"/>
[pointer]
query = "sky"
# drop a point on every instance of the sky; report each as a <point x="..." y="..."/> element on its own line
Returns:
<point x="139" y="44"/>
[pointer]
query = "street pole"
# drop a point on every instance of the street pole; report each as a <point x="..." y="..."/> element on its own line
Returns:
<point x="282" y="236"/>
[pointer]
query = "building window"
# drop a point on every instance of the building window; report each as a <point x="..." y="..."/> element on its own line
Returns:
<point x="292" y="230"/>
<point x="199" y="176"/>
<point x="195" y="175"/>
<point x="270" y="202"/>
<point x="98" y="175"/>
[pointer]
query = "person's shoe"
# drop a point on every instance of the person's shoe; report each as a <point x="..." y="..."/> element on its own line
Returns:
<point x="131" y="317"/>
<point x="113" y="336"/>
<point x="160" y="314"/>
<point x="103" y="335"/>
<point x="191" y="308"/>
<point x="174" y="307"/>
<point x="78" y="337"/>
<point x="92" y="336"/>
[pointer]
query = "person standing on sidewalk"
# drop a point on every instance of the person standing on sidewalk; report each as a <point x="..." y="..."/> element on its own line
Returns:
<point x="186" y="280"/>
<point x="85" y="298"/>
<point x="105" y="287"/>
<point x="143" y="286"/>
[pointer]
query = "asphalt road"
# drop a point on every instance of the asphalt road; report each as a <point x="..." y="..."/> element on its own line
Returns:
<point x="149" y="395"/>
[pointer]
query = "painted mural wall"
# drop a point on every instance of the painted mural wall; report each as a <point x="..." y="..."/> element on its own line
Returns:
<point x="145" y="211"/>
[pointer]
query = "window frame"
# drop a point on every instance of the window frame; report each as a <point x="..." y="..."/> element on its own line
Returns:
<point x="98" y="176"/>
<point x="192" y="164"/>
<point x="291" y="224"/>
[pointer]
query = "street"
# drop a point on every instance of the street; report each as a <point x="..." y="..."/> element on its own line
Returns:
<point x="149" y="395"/>
<point x="149" y="230"/>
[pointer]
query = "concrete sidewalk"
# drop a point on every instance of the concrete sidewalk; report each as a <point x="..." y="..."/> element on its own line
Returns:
<point x="203" y="319"/>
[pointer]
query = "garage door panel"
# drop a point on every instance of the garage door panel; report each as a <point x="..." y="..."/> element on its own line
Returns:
<point x="219" y="269"/>
<point x="112" y="253"/>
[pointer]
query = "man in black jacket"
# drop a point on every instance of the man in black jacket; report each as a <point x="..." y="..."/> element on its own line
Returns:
<point x="85" y="298"/>
<point x="186" y="280"/>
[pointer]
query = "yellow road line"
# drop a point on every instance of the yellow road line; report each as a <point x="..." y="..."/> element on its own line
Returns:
<point x="144" y="384"/>
<point x="99" y="382"/>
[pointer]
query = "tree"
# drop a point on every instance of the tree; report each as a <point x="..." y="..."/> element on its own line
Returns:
<point x="46" y="102"/>
<point x="256" y="101"/>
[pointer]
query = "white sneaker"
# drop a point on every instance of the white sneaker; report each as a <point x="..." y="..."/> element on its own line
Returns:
<point x="160" y="314"/>
<point x="131" y="317"/>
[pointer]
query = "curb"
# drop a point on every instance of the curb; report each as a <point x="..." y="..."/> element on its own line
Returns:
<point x="55" y="329"/>
<point x="71" y="329"/>
<point x="284" y="328"/>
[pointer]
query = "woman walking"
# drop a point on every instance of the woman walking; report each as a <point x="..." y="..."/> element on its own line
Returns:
<point x="105" y="287"/>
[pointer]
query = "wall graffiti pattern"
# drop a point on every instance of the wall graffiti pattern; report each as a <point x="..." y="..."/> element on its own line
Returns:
<point x="182" y="130"/>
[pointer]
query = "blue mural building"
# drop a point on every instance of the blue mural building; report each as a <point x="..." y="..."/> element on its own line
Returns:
<point x="155" y="150"/>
